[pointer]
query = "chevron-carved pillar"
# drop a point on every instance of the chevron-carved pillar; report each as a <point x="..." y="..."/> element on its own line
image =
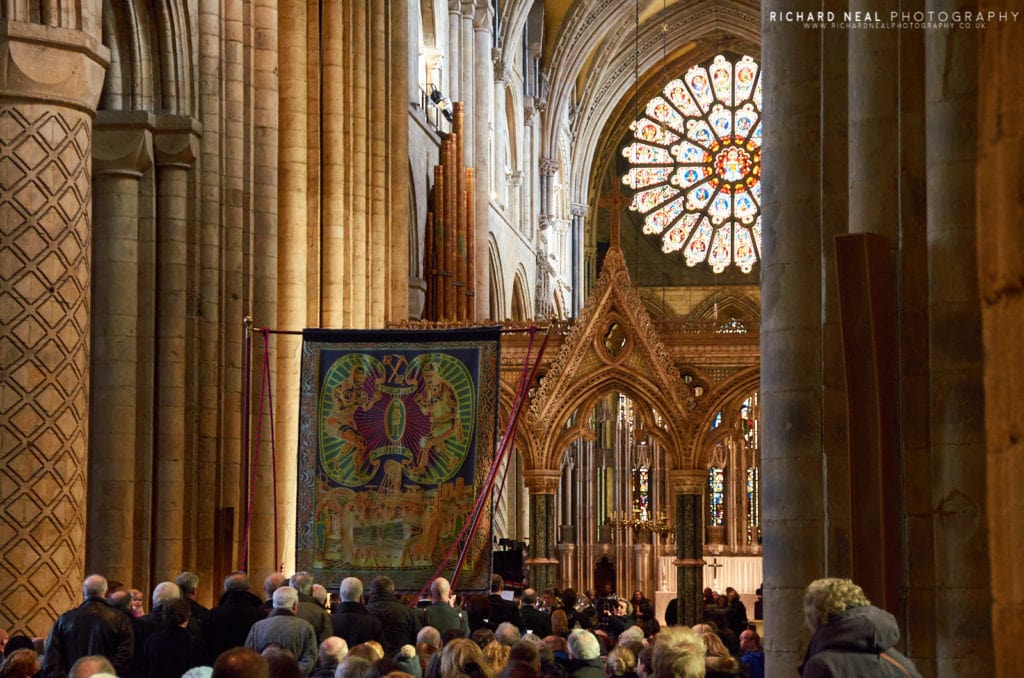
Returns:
<point x="50" y="81"/>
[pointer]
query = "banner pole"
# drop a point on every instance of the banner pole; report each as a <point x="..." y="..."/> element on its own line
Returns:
<point x="247" y="323"/>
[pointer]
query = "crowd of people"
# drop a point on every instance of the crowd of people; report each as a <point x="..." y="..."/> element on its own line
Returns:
<point x="300" y="630"/>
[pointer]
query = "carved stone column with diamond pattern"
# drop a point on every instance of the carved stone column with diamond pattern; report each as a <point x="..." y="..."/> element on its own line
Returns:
<point x="542" y="563"/>
<point x="688" y="489"/>
<point x="50" y="81"/>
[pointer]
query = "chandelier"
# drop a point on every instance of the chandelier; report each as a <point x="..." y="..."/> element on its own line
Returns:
<point x="641" y="523"/>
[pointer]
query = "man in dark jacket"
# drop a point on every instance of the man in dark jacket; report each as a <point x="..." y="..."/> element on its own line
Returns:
<point x="400" y="623"/>
<point x="440" y="614"/>
<point x="228" y="624"/>
<point x="352" y="621"/>
<point x="502" y="610"/>
<point x="173" y="651"/>
<point x="188" y="582"/>
<point x="534" y="621"/>
<point x="92" y="628"/>
<point x="851" y="637"/>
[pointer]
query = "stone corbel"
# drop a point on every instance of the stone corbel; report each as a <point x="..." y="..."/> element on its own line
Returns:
<point x="548" y="167"/>
<point x="122" y="142"/>
<point x="176" y="140"/>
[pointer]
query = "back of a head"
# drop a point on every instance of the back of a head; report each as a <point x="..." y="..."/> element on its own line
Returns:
<point x="827" y="598"/>
<point x="188" y="582"/>
<point x="281" y="662"/>
<point x="90" y="665"/>
<point x="621" y="661"/>
<point x="319" y="593"/>
<point x="176" y="611"/>
<point x="382" y="585"/>
<point x="497" y="583"/>
<point x="459" y="656"/>
<point x="165" y="591"/>
<point x="285" y="598"/>
<point x="584" y="645"/>
<point x="507" y="633"/>
<point x="94" y="586"/>
<point x="430" y="636"/>
<point x="678" y="653"/>
<point x="241" y="662"/>
<point x="122" y="600"/>
<point x="19" y="664"/>
<point x="439" y="589"/>
<point x="353" y="666"/>
<point x="274" y="581"/>
<point x="302" y="582"/>
<point x="351" y="590"/>
<point x="529" y="597"/>
<point x="525" y="651"/>
<point x="333" y="650"/>
<point x="236" y="581"/>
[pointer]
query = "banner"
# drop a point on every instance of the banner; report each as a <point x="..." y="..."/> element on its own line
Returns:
<point x="396" y="436"/>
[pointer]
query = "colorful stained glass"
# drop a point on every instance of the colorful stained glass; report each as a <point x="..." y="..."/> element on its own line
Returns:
<point x="648" y="176"/>
<point x="643" y="154"/>
<point x="753" y="505"/>
<point x="645" y="200"/>
<point x="716" y="496"/>
<point x="707" y="127"/>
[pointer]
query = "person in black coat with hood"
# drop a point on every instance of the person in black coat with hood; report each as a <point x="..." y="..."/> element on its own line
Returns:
<point x="227" y="625"/>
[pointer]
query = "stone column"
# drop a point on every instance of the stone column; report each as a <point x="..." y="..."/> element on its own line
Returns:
<point x="50" y="80"/>
<point x="122" y="151"/>
<point x="873" y="108"/>
<point x="542" y="563"/>
<point x="688" y="489"/>
<point x="793" y="514"/>
<point x="467" y="65"/>
<point x="578" y="212"/>
<point x="1000" y="180"/>
<point x="482" y="124"/>
<point x="176" y="142"/>
<point x="643" y="577"/>
<point x="454" y="90"/>
<point x="962" y="575"/>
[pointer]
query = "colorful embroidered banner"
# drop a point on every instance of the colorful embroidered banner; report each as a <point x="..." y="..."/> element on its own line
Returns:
<point x="396" y="436"/>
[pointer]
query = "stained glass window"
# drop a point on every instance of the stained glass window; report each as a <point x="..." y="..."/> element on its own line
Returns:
<point x="696" y="164"/>
<point x="642" y="492"/>
<point x="716" y="496"/>
<point x="753" y="505"/>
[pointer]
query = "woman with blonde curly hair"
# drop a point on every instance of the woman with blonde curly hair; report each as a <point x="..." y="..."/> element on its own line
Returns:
<point x="621" y="662"/>
<point x="851" y="637"/>
<point x="463" y="657"/>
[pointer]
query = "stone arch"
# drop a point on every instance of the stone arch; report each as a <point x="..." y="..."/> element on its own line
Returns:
<point x="701" y="435"/>
<point x="520" y="296"/>
<point x="612" y="346"/>
<point x="496" y="286"/>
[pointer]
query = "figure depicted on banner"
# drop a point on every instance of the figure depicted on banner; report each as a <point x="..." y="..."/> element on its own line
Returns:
<point x="437" y="400"/>
<point x="350" y="396"/>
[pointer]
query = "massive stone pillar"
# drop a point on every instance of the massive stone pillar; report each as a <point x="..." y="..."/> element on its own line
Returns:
<point x="794" y="506"/>
<point x="482" y="124"/>
<point x="122" y="151"/>
<point x="542" y="563"/>
<point x="962" y="574"/>
<point x="1000" y="184"/>
<point x="176" y="146"/>
<point x="688" y="490"/>
<point x="50" y="82"/>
